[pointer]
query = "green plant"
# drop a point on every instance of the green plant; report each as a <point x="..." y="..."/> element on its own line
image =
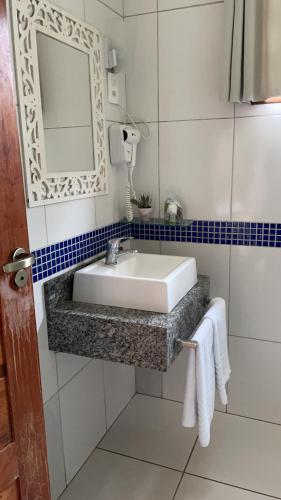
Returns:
<point x="144" y="201"/>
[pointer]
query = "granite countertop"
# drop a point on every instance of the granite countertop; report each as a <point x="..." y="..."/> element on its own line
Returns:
<point x="130" y="336"/>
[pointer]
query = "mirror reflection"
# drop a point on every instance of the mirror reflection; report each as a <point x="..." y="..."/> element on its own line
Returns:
<point x="66" y="106"/>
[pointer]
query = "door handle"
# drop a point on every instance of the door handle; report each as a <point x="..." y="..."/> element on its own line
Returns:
<point x="21" y="260"/>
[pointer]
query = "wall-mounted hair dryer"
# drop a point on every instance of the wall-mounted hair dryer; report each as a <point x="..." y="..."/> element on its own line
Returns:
<point x="123" y="141"/>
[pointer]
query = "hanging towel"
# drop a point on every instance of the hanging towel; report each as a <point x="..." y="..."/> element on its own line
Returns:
<point x="217" y="314"/>
<point x="199" y="398"/>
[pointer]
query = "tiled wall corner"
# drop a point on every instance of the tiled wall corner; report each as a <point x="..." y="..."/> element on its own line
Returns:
<point x="223" y="162"/>
<point x="73" y="425"/>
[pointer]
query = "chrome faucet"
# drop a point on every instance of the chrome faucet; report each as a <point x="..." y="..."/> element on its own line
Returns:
<point x="114" y="250"/>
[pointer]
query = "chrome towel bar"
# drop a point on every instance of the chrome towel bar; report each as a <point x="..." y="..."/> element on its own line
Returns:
<point x="190" y="344"/>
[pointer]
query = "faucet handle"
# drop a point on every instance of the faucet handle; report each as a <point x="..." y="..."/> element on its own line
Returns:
<point x="115" y="242"/>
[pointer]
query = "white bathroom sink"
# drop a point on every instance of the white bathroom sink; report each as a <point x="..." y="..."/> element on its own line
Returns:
<point x="140" y="281"/>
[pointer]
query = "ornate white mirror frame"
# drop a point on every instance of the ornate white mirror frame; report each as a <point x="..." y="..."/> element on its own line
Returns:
<point x="29" y="17"/>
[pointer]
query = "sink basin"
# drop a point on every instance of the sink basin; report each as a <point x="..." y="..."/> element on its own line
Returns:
<point x="140" y="281"/>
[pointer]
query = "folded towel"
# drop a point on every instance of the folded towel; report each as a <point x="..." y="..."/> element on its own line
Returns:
<point x="199" y="398"/>
<point x="217" y="314"/>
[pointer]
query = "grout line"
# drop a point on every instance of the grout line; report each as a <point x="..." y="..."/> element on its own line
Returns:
<point x="158" y="114"/>
<point x="183" y="473"/>
<point x="230" y="246"/>
<point x="251" y="418"/>
<point x="253" y="338"/>
<point x="84" y="11"/>
<point x="140" y="14"/>
<point x="232" y="485"/>
<point x="118" y="416"/>
<point x="174" y="9"/>
<point x="212" y="118"/>
<point x="215" y="2"/>
<point x="138" y="459"/>
<point x="216" y="410"/>
<point x="73" y="376"/>
<point x="186" y="465"/>
<point x="104" y="396"/>
<point x="110" y="8"/>
<point x="93" y="450"/>
<point x="70" y="126"/>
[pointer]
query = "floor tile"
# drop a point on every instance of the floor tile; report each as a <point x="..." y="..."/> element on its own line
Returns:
<point x="243" y="452"/>
<point x="195" y="488"/>
<point x="107" y="476"/>
<point x="150" y="429"/>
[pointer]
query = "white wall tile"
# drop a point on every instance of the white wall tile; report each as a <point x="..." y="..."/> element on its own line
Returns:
<point x="48" y="366"/>
<point x="83" y="416"/>
<point x="103" y="19"/>
<point x="196" y="165"/>
<point x="174" y="379"/>
<point x="68" y="365"/>
<point x="68" y="219"/>
<point x="149" y="382"/>
<point x="141" y="66"/>
<point x="75" y="7"/>
<point x="146" y="176"/>
<point x="116" y="5"/>
<point x="190" y="54"/>
<point x="257" y="173"/>
<point x="119" y="384"/>
<point x="177" y="4"/>
<point x="55" y="447"/>
<point x="255" y="392"/>
<point x="47" y="358"/>
<point x="211" y="260"/>
<point x="254" y="293"/>
<point x="36" y="227"/>
<point x="39" y="303"/>
<point x="133" y="7"/>
<point x="111" y="25"/>
<point x="245" y="109"/>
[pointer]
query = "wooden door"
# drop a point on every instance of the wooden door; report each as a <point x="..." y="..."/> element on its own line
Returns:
<point x="23" y="458"/>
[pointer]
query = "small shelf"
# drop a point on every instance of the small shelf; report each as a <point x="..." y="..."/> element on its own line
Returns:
<point x="160" y="222"/>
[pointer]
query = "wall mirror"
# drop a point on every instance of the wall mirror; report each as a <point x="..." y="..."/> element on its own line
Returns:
<point x="60" y="86"/>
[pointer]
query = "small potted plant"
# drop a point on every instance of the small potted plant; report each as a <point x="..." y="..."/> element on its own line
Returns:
<point x="144" y="204"/>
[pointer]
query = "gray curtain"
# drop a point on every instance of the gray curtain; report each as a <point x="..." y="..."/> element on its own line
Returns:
<point x="252" y="50"/>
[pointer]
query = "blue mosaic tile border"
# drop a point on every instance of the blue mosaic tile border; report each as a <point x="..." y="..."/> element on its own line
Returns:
<point x="212" y="232"/>
<point x="62" y="255"/>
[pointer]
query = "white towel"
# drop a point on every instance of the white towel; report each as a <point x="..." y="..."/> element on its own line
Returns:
<point x="199" y="398"/>
<point x="217" y="314"/>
